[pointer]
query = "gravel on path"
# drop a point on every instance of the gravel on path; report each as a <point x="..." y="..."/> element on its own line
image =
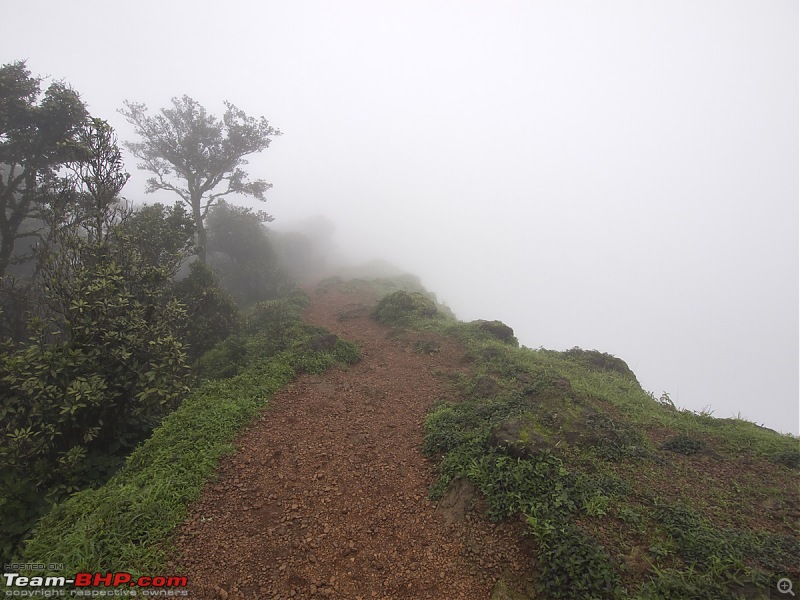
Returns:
<point x="327" y="494"/>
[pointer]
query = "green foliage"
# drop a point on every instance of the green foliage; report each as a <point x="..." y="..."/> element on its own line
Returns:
<point x="497" y="330"/>
<point x="572" y="564"/>
<point x="563" y="441"/>
<point x="192" y="153"/>
<point x="96" y="177"/>
<point x="615" y="440"/>
<point x="98" y="376"/>
<point x="788" y="458"/>
<point x="35" y="142"/>
<point x="402" y="308"/>
<point x="160" y="234"/>
<point x="126" y="524"/>
<point x="684" y="444"/>
<point x="273" y="327"/>
<point x="240" y="251"/>
<point x="714" y="560"/>
<point x="426" y="347"/>
<point x="224" y="360"/>
<point x="123" y="524"/>
<point x="212" y="314"/>
<point x="600" y="360"/>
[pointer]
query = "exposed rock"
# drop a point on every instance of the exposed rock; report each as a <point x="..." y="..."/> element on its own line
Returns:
<point x="457" y="501"/>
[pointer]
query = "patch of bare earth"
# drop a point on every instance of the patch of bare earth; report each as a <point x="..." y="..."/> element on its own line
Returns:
<point x="327" y="494"/>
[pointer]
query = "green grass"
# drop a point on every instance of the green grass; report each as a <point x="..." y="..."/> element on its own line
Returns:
<point x="624" y="495"/>
<point x="127" y="524"/>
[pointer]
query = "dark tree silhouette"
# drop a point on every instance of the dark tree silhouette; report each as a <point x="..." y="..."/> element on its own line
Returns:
<point x="35" y="140"/>
<point x="197" y="156"/>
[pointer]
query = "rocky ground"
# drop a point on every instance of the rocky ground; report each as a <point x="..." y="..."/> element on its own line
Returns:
<point x="327" y="496"/>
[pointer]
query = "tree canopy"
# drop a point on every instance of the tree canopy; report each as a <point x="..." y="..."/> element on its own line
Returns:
<point x="198" y="156"/>
<point x="35" y="140"/>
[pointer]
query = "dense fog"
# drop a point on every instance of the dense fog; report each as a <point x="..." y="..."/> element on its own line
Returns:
<point x="620" y="176"/>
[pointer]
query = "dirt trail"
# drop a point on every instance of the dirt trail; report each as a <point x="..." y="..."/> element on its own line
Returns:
<point x="327" y="495"/>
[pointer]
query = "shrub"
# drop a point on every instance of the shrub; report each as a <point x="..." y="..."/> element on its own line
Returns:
<point x="93" y="382"/>
<point x="212" y="314"/>
<point x="683" y="444"/>
<point x="401" y="307"/>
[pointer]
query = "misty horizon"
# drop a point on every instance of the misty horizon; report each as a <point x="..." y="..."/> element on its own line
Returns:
<point x="619" y="177"/>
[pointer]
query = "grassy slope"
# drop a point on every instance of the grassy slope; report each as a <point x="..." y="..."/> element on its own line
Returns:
<point x="126" y="524"/>
<point x="624" y="495"/>
<point x="568" y="443"/>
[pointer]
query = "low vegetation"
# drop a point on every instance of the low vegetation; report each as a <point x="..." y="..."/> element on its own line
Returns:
<point x="625" y="495"/>
<point x="125" y="525"/>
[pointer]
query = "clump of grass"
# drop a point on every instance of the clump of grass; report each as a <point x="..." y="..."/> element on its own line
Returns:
<point x="684" y="444"/>
<point x="426" y="347"/>
<point x="403" y="308"/>
<point x="576" y="461"/>
<point x="788" y="458"/>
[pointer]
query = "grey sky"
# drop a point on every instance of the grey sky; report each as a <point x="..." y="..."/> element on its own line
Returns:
<point x="618" y="175"/>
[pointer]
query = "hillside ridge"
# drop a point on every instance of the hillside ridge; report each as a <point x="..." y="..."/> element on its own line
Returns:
<point x="327" y="495"/>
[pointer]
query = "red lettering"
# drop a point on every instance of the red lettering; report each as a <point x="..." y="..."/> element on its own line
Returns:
<point x="121" y="578"/>
<point x="83" y="579"/>
<point x="103" y="579"/>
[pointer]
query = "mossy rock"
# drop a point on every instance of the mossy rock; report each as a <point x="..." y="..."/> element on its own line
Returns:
<point x="556" y="424"/>
<point x="601" y="360"/>
<point x="517" y="437"/>
<point x="402" y="307"/>
<point x="497" y="330"/>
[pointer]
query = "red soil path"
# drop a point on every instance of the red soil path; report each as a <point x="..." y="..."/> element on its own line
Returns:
<point x="327" y="496"/>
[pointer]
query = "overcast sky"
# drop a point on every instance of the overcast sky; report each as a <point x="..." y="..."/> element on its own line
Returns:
<point x="617" y="175"/>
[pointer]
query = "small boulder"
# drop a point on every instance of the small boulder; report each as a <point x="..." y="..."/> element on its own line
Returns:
<point x="457" y="501"/>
